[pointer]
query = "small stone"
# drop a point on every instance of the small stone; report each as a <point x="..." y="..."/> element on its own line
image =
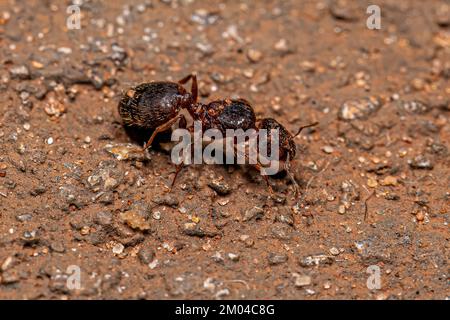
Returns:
<point x="204" y="17"/>
<point x="104" y="218"/>
<point x="64" y="50"/>
<point x="301" y="280"/>
<point x="343" y="10"/>
<point x="389" y="181"/>
<point x="9" y="278"/>
<point x="359" y="109"/>
<point x="276" y="258"/>
<point x="87" y="140"/>
<point x="167" y="200"/>
<point x="135" y="220"/>
<point x="26" y="126"/>
<point x="421" y="162"/>
<point x="24" y="217"/>
<point x="282" y="46"/>
<point x="317" y="260"/>
<point x="334" y="251"/>
<point x="253" y="213"/>
<point x="220" y="187"/>
<point x="222" y="293"/>
<point x="414" y="106"/>
<point x="420" y="216"/>
<point x="156" y="215"/>
<point x="209" y="285"/>
<point x="328" y="149"/>
<point x="6" y="264"/>
<point x="146" y="255"/>
<point x="233" y="257"/>
<point x="341" y="209"/>
<point x="193" y="229"/>
<point x="20" y="72"/>
<point x="118" y="248"/>
<point x="372" y="183"/>
<point x="126" y="152"/>
<point x="57" y="247"/>
<point x="85" y="230"/>
<point x="254" y="55"/>
<point x="442" y="16"/>
<point x="152" y="265"/>
<point x="49" y="141"/>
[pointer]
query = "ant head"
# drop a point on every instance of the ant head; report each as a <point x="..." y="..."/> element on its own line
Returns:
<point x="288" y="149"/>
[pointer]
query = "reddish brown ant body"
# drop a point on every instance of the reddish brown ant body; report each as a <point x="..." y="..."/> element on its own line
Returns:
<point x="156" y="106"/>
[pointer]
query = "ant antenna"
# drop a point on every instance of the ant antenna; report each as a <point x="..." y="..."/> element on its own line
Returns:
<point x="304" y="127"/>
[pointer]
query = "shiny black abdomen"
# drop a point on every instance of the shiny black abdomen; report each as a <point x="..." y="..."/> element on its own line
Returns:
<point x="151" y="104"/>
<point x="237" y="114"/>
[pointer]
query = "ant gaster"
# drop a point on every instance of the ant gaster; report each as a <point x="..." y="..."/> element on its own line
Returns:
<point x="157" y="105"/>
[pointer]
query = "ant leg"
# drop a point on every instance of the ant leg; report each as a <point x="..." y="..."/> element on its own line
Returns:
<point x="266" y="178"/>
<point x="161" y="128"/>
<point x="186" y="79"/>
<point x="258" y="167"/>
<point x="287" y="167"/>
<point x="194" y="86"/>
<point x="178" y="169"/>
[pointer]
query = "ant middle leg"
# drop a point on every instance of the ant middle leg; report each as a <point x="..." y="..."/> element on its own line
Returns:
<point x="258" y="167"/>
<point x="287" y="167"/>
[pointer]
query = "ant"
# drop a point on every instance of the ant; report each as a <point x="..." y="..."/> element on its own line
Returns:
<point x="157" y="106"/>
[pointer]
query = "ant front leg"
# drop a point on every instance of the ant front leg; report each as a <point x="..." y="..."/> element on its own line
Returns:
<point x="266" y="178"/>
<point x="182" y="125"/>
<point x="258" y="167"/>
<point x="194" y="86"/>
<point x="161" y="128"/>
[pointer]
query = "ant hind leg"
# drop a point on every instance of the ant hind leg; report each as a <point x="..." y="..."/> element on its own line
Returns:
<point x="287" y="167"/>
<point x="177" y="171"/>
<point x="161" y="128"/>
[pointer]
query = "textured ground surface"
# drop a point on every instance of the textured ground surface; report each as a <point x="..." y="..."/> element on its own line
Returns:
<point x="66" y="201"/>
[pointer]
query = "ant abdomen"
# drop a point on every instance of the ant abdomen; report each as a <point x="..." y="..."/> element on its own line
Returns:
<point x="150" y="105"/>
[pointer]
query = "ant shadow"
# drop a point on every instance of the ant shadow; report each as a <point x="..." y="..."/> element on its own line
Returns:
<point x="140" y="136"/>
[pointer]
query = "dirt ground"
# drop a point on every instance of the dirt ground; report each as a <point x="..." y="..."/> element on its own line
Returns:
<point x="374" y="174"/>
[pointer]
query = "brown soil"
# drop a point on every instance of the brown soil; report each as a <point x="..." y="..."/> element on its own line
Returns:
<point x="66" y="201"/>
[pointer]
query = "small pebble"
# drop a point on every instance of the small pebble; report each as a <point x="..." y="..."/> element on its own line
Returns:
<point x="334" y="251"/>
<point x="328" y="149"/>
<point x="118" y="248"/>
<point x="254" y="55"/>
<point x="301" y="280"/>
<point x="389" y="181"/>
<point x="420" y="216"/>
<point x="276" y="258"/>
<point x="253" y="213"/>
